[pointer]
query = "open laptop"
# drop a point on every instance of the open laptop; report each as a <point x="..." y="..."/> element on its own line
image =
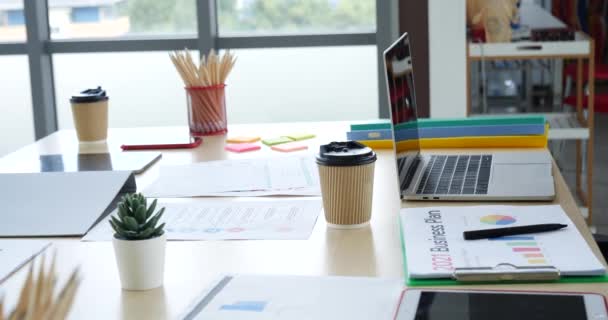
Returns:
<point x="455" y="175"/>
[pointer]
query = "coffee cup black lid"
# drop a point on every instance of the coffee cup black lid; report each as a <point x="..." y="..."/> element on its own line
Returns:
<point x="349" y="153"/>
<point x="90" y="95"/>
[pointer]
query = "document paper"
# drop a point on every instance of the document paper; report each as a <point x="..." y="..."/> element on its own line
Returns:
<point x="16" y="253"/>
<point x="248" y="177"/>
<point x="58" y="203"/>
<point x="434" y="244"/>
<point x="203" y="219"/>
<point x="298" y="298"/>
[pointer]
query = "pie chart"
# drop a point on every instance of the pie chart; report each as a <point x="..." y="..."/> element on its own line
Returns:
<point x="497" y="219"/>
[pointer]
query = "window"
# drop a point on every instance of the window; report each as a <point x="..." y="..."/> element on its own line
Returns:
<point x="333" y="83"/>
<point x="143" y="87"/>
<point x="303" y="84"/>
<point x="16" y="122"/>
<point x="85" y="14"/>
<point x="15" y="18"/>
<point x="12" y="21"/>
<point x="320" y="62"/>
<point x="121" y="18"/>
<point x="296" y="16"/>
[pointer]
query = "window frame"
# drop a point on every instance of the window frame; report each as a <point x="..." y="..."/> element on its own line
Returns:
<point x="40" y="48"/>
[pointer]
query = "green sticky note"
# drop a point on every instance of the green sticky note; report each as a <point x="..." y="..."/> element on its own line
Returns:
<point x="300" y="136"/>
<point x="275" y="141"/>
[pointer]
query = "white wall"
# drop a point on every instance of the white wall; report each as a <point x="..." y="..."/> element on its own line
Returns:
<point x="447" y="58"/>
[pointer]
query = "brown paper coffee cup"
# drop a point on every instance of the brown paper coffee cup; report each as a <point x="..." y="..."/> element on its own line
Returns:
<point x="346" y="174"/>
<point x="91" y="120"/>
<point x="347" y="194"/>
<point x="90" y="114"/>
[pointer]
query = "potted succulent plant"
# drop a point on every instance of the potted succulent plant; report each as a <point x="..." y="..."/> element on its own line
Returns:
<point x="139" y="244"/>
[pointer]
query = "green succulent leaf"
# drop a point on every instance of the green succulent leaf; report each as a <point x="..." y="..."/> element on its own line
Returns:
<point x="122" y="210"/>
<point x="135" y="220"/>
<point x="129" y="200"/>
<point x="151" y="209"/>
<point x="118" y="222"/>
<point x="131" y="224"/>
<point x="130" y="235"/>
<point x="154" y="220"/>
<point x="120" y="231"/>
<point x="140" y="214"/>
<point x="159" y="230"/>
<point x="146" y="233"/>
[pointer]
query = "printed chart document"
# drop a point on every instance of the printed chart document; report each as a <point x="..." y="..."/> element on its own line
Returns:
<point x="249" y="177"/>
<point x="298" y="298"/>
<point x="58" y="203"/>
<point x="16" y="253"/>
<point x="215" y="219"/>
<point x="434" y="245"/>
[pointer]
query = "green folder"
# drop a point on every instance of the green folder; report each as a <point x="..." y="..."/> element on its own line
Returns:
<point x="376" y="125"/>
<point x="473" y="121"/>
<point x="446" y="282"/>
<point x="454" y="122"/>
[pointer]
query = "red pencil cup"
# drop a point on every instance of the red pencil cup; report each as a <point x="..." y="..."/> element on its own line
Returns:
<point x="207" y="110"/>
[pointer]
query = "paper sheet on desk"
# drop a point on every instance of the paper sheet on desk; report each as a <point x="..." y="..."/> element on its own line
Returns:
<point x="434" y="243"/>
<point x="312" y="192"/>
<point x="270" y="297"/>
<point x="248" y="177"/>
<point x="16" y="253"/>
<point x="203" y="219"/>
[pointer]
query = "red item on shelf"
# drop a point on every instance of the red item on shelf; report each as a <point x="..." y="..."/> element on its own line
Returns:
<point x="601" y="72"/>
<point x="601" y="102"/>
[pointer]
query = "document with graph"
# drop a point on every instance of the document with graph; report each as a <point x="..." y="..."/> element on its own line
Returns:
<point x="435" y="247"/>
<point x="279" y="297"/>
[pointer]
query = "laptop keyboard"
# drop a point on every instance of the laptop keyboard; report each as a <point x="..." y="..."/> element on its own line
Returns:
<point x="411" y="171"/>
<point x="457" y="174"/>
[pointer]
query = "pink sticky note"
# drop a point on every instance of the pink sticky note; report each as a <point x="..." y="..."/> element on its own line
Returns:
<point x="242" y="147"/>
<point x="289" y="147"/>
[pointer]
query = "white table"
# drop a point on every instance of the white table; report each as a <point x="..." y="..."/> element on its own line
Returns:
<point x="191" y="266"/>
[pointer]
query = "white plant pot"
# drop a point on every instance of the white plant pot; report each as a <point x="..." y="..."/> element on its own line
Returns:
<point x="141" y="263"/>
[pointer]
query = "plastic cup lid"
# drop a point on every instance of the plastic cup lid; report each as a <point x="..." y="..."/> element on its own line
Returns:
<point x="350" y="153"/>
<point x="90" y="95"/>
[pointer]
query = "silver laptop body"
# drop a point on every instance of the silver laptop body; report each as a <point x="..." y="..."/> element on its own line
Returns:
<point x="455" y="175"/>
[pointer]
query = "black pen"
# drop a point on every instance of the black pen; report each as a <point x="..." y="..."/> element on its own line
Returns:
<point x="511" y="231"/>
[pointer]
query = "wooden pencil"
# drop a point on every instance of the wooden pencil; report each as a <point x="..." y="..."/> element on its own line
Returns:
<point x="36" y="299"/>
<point x="205" y="86"/>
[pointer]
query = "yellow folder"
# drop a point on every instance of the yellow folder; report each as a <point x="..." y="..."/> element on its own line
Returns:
<point x="532" y="141"/>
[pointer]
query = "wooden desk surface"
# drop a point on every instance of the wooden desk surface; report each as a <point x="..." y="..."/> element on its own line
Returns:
<point x="191" y="266"/>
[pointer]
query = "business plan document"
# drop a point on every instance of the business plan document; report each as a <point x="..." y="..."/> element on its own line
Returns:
<point x="271" y="297"/>
<point x="286" y="175"/>
<point x="16" y="253"/>
<point x="218" y="219"/>
<point x="58" y="203"/>
<point x="435" y="247"/>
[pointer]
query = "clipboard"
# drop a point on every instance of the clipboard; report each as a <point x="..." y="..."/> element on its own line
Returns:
<point x="504" y="273"/>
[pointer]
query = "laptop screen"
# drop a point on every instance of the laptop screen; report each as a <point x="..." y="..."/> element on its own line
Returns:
<point x="402" y="101"/>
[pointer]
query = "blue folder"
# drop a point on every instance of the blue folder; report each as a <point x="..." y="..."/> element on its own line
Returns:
<point x="471" y="131"/>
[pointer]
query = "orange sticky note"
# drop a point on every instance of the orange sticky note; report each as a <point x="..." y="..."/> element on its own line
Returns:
<point x="289" y="147"/>
<point x="243" y="139"/>
<point x="242" y="147"/>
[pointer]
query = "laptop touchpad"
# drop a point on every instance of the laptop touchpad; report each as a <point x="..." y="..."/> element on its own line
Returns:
<point x="520" y="174"/>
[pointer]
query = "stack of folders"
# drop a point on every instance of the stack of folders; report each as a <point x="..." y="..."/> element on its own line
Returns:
<point x="475" y="132"/>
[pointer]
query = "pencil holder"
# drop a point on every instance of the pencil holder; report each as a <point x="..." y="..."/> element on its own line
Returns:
<point x="207" y="110"/>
